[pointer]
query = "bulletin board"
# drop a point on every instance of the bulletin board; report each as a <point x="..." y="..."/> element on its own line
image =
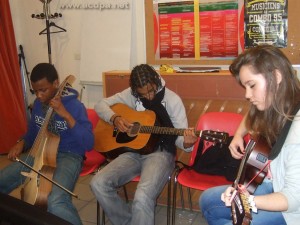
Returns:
<point x="292" y="50"/>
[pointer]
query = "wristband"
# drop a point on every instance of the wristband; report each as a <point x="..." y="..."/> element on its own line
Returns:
<point x="252" y="203"/>
<point x="113" y="122"/>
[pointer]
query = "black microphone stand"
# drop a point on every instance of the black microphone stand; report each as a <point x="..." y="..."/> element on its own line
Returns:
<point x="47" y="15"/>
<point x="25" y="74"/>
<point x="22" y="61"/>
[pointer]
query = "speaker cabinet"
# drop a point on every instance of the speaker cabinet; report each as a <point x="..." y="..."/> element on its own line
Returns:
<point x="16" y="212"/>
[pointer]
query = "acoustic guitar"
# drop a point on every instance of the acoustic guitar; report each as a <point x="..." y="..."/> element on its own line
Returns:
<point x="253" y="169"/>
<point x="143" y="134"/>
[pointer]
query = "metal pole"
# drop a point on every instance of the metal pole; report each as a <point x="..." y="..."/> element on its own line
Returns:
<point x="46" y="11"/>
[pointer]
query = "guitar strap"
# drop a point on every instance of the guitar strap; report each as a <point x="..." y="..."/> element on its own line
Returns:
<point x="282" y="136"/>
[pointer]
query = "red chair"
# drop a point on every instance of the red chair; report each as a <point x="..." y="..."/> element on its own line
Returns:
<point x="94" y="160"/>
<point x="218" y="121"/>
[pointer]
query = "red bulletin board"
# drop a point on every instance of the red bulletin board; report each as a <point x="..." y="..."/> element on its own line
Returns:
<point x="179" y="32"/>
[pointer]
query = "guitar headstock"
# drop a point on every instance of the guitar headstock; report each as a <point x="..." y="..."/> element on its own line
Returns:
<point x="215" y="136"/>
<point x="67" y="83"/>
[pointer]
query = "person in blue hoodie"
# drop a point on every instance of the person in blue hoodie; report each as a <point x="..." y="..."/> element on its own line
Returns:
<point x="70" y="122"/>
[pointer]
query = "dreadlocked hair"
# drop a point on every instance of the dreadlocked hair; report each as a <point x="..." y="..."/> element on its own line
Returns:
<point x="142" y="75"/>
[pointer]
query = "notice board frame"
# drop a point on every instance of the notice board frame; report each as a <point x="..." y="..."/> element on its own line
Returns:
<point x="292" y="51"/>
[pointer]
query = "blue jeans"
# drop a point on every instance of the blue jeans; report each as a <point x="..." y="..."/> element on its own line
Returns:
<point x="154" y="170"/>
<point x="216" y="213"/>
<point x="68" y="168"/>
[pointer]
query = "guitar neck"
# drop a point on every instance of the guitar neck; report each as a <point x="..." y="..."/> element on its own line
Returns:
<point x="242" y="167"/>
<point x="209" y="135"/>
<point x="165" y="130"/>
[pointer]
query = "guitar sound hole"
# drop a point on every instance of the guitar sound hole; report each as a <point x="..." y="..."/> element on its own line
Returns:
<point x="130" y="135"/>
<point x="134" y="129"/>
<point x="124" y="138"/>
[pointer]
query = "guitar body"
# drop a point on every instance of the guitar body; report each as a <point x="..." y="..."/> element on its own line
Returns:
<point x="112" y="143"/>
<point x="36" y="189"/>
<point x="256" y="162"/>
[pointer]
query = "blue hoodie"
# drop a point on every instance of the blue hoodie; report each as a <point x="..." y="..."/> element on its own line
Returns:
<point x="77" y="140"/>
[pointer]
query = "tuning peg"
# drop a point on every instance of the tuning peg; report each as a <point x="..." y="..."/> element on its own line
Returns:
<point x="38" y="16"/>
<point x="42" y="15"/>
<point x="55" y="15"/>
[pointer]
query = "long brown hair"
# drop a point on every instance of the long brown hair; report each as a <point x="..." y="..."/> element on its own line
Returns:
<point x="268" y="60"/>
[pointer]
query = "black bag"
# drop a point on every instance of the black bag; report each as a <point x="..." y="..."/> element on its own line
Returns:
<point x="216" y="160"/>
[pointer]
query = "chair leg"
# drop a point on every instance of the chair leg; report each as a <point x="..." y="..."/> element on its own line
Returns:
<point x="169" y="200"/>
<point x="103" y="218"/>
<point x="100" y="218"/>
<point x="98" y="213"/>
<point x="181" y="196"/>
<point x="174" y="195"/>
<point x="190" y="199"/>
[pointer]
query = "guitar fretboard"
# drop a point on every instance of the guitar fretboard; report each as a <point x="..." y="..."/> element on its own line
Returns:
<point x="214" y="136"/>
<point x="165" y="130"/>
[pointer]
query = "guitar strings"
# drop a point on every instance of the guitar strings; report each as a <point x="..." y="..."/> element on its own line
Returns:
<point x="258" y="173"/>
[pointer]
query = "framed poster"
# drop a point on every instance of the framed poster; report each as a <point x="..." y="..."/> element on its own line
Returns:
<point x="197" y="30"/>
<point x="213" y="32"/>
<point x="266" y="22"/>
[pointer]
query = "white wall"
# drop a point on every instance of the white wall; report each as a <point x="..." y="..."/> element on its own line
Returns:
<point x="96" y="40"/>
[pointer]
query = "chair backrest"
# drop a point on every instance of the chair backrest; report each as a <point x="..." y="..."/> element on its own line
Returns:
<point x="217" y="121"/>
<point x="93" y="117"/>
<point x="93" y="158"/>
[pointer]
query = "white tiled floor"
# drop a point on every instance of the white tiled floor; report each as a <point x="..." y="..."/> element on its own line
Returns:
<point x="87" y="207"/>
